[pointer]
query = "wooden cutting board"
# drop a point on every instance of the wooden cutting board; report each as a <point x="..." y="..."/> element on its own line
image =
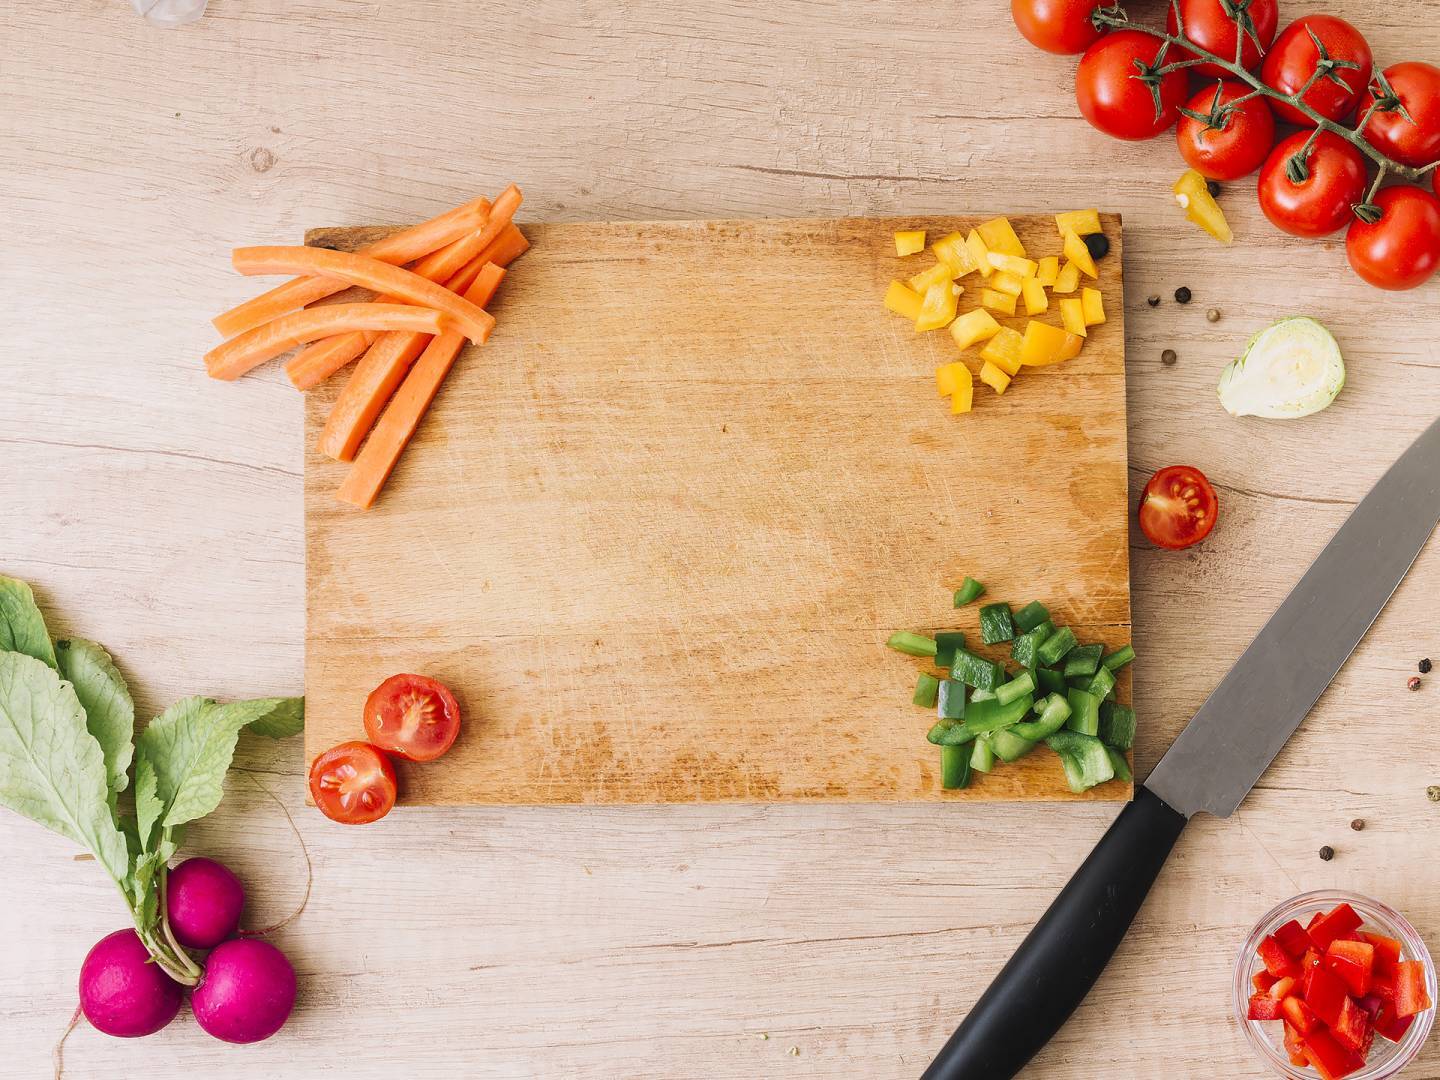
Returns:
<point x="655" y="533"/>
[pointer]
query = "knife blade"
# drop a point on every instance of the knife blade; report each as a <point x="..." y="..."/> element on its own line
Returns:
<point x="1211" y="767"/>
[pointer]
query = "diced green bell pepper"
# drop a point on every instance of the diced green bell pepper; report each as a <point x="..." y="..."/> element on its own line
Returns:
<point x="983" y="717"/>
<point x="1119" y="658"/>
<point x="982" y="758"/>
<point x="1051" y="681"/>
<point x="1031" y="616"/>
<point x="1025" y="647"/>
<point x="1117" y="725"/>
<point x="1102" y="682"/>
<point x="1022" y="684"/>
<point x="1056" y="646"/>
<point x="927" y="688"/>
<point x="970" y="590"/>
<point x="947" y="643"/>
<point x="1084" y="759"/>
<point x="954" y="767"/>
<point x="950" y="700"/>
<point x="1081" y="660"/>
<point x="976" y="671"/>
<point x="1055" y="711"/>
<point x="996" y="624"/>
<point x="911" y="644"/>
<point x="1119" y="765"/>
<point x="1084" y="712"/>
<point x="1009" y="746"/>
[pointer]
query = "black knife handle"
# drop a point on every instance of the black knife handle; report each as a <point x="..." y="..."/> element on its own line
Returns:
<point x="1060" y="959"/>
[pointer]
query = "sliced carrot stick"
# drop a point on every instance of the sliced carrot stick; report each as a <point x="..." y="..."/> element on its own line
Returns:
<point x="319" y="360"/>
<point x="402" y="417"/>
<point x="404" y="246"/>
<point x="368" y="273"/>
<point x="252" y="348"/>
<point x="506" y="203"/>
<point x="506" y="248"/>
<point x="374" y="379"/>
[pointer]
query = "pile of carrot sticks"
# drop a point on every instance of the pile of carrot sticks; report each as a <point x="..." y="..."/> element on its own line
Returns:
<point x="431" y="284"/>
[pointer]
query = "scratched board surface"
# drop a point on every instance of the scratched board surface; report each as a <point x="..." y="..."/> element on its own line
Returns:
<point x="655" y="532"/>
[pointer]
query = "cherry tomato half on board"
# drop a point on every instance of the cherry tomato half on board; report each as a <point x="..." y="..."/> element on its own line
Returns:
<point x="1292" y="60"/>
<point x="1236" y="148"/>
<point x="412" y="717"/>
<point x="1414" y="142"/>
<point x="1178" y="507"/>
<point x="1402" y="249"/>
<point x="353" y="783"/>
<point x="1057" y="26"/>
<point x="1207" y="25"/>
<point x="1114" y="99"/>
<point x="1319" y="204"/>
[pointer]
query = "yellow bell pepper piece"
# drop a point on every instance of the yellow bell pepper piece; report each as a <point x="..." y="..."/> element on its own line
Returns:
<point x="973" y="326"/>
<point x="947" y="377"/>
<point x="937" y="273"/>
<point x="1006" y="282"/>
<point x="1000" y="302"/>
<point x="1072" y="314"/>
<point x="980" y="253"/>
<point x="952" y="250"/>
<point x="1080" y="222"/>
<point x="1093" y="304"/>
<point x="1068" y="279"/>
<point x="999" y="235"/>
<point x="937" y="307"/>
<point x="964" y="394"/>
<point x="1079" y="254"/>
<point x="1045" y="344"/>
<point x="1047" y="269"/>
<point x="909" y="241"/>
<point x="1021" y="268"/>
<point x="1200" y="206"/>
<point x="902" y="300"/>
<point x="1034" y="296"/>
<point x="992" y="376"/>
<point x="1003" y="350"/>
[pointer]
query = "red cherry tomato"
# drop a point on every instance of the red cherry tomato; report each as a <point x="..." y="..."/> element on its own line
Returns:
<point x="1235" y="149"/>
<point x="1178" y="508"/>
<point x="1414" y="142"/>
<point x="1057" y="26"/>
<point x="1292" y="59"/>
<point x="1113" y="99"/>
<point x="1207" y="25"/>
<point x="1402" y="249"/>
<point x="1322" y="203"/>
<point x="353" y="783"/>
<point x="412" y="717"/>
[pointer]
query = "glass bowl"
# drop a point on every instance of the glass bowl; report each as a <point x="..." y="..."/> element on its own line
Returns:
<point x="1266" y="1036"/>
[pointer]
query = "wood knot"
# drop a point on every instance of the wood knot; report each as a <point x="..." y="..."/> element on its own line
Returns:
<point x="261" y="159"/>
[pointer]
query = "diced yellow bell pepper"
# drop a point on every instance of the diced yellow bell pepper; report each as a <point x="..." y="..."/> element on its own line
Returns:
<point x="1036" y="301"/>
<point x="947" y="377"/>
<point x="902" y="300"/>
<point x="1200" y="206"/>
<point x="1000" y="302"/>
<point x="941" y="271"/>
<point x="992" y="376"/>
<point x="1072" y="314"/>
<point x="1080" y="222"/>
<point x="1021" y="268"/>
<point x="951" y="249"/>
<point x="1079" y="254"/>
<point x="999" y="235"/>
<point x="1003" y="350"/>
<point x="1006" y="282"/>
<point x="1093" y="304"/>
<point x="973" y="326"/>
<point x="1043" y="344"/>
<point x="964" y="394"/>
<point x="937" y="307"/>
<point x="909" y="241"/>
<point x="1047" y="269"/>
<point x="1073" y="345"/>
<point x="980" y="253"/>
<point x="1068" y="279"/>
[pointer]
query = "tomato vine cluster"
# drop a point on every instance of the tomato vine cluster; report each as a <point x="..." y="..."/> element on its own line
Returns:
<point x="1354" y="128"/>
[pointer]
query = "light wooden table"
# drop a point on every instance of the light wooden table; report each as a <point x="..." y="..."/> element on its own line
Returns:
<point x="159" y="512"/>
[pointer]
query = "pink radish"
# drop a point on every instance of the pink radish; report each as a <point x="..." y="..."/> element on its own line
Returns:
<point x="246" y="993"/>
<point x="204" y="901"/>
<point x="121" y="992"/>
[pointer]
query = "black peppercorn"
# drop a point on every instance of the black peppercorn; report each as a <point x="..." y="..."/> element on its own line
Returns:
<point x="1213" y="188"/>
<point x="1425" y="666"/>
<point x="1153" y="300"/>
<point x="1327" y="853"/>
<point x="1358" y="824"/>
<point x="1168" y="357"/>
<point x="1098" y="245"/>
<point x="1413" y="683"/>
<point x="1182" y="295"/>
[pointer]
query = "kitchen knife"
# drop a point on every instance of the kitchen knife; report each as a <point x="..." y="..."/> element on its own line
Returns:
<point x="1211" y="767"/>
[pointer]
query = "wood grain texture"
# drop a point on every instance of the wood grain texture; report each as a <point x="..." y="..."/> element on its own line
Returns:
<point x="655" y="533"/>
<point x="162" y="514"/>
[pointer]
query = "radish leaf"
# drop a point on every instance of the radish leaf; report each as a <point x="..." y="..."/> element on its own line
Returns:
<point x="109" y="711"/>
<point x="22" y="627"/>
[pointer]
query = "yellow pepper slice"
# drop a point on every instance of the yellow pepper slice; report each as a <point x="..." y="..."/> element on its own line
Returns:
<point x="1045" y="344"/>
<point x="992" y="376"/>
<point x="1200" y="206"/>
<point x="1006" y="282"/>
<point x="1079" y="254"/>
<point x="941" y="271"/>
<point x="973" y="326"/>
<point x="1068" y="279"/>
<point x="1047" y="269"/>
<point x="1072" y="314"/>
<point x="1080" y="222"/>
<point x="980" y="253"/>
<point x="964" y="394"/>
<point x="951" y="249"/>
<point x="937" y="307"/>
<point x="903" y="300"/>
<point x="996" y="301"/>
<point x="1093" y="304"/>
<point x="999" y="235"/>
<point x="1014" y="264"/>
<point x="1033" y="293"/>
<point x="909" y="241"/>
<point x="1003" y="350"/>
<point x="947" y="377"/>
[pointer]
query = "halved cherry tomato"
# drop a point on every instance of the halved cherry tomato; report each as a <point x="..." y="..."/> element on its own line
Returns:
<point x="1402" y="249"/>
<point x="1057" y="26"/>
<point x="1293" y="58"/>
<point x="1321" y="204"/>
<point x="1112" y="97"/>
<point x="1238" y="146"/>
<point x="1414" y="142"/>
<point x="353" y="783"/>
<point x="412" y="717"/>
<point x="1207" y="25"/>
<point x="1178" y="509"/>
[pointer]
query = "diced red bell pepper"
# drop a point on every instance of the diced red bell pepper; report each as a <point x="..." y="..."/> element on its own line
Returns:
<point x="1264" y="1007"/>
<point x="1333" y="924"/>
<point x="1295" y="1047"/>
<point x="1293" y="938"/>
<point x="1313" y="920"/>
<point x="1263" y="980"/>
<point x="1331" y="1060"/>
<point x="1411" y="996"/>
<point x="1311" y="959"/>
<point x="1277" y="961"/>
<point x="1391" y="1027"/>
<point x="1353" y="961"/>
<point x="1354" y="1030"/>
<point x="1371" y="1004"/>
<point x="1283" y="988"/>
<point x="1325" y="993"/>
<point x="1299" y="1015"/>
<point x="1387" y="951"/>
